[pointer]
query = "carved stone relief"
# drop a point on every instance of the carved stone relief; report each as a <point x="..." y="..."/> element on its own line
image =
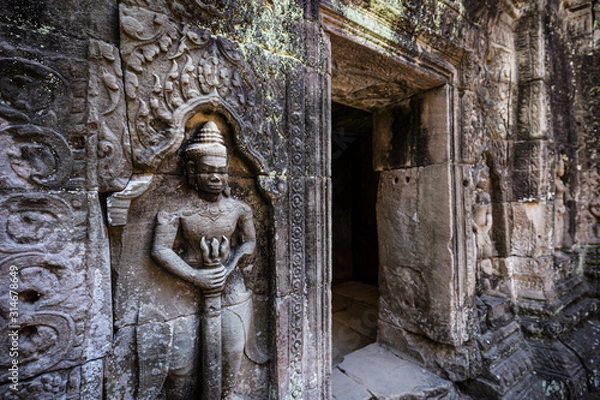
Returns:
<point x="482" y="213"/>
<point x="166" y="296"/>
<point x="108" y="119"/>
<point x="83" y="112"/>
<point x="215" y="232"/>
<point x="43" y="96"/>
<point x="177" y="79"/>
<point x="52" y="241"/>
<point x="63" y="302"/>
<point x="80" y="382"/>
<point x="561" y="218"/>
<point x="190" y="70"/>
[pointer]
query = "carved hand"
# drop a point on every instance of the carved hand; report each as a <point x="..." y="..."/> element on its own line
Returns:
<point x="210" y="280"/>
<point x="213" y="275"/>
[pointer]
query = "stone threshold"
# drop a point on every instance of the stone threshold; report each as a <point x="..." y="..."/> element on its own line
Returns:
<point x="376" y="373"/>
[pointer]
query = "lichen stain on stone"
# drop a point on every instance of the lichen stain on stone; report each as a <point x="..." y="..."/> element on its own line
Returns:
<point x="553" y="389"/>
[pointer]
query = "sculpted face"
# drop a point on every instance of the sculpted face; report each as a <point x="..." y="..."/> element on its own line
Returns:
<point x="209" y="174"/>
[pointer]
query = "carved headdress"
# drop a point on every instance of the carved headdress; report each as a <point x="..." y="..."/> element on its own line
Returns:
<point x="207" y="141"/>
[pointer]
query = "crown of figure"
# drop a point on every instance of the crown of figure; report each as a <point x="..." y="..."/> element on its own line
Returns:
<point x="207" y="141"/>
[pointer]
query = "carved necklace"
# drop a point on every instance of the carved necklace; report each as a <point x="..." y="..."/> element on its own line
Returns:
<point x="215" y="211"/>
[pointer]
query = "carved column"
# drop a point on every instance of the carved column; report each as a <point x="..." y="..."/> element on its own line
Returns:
<point x="551" y="296"/>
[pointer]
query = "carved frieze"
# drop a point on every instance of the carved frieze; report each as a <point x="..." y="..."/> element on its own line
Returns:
<point x="42" y="115"/>
<point x="578" y="20"/>
<point x="472" y="134"/>
<point x="530" y="47"/>
<point x="532" y="120"/>
<point x="64" y="301"/>
<point x="37" y="221"/>
<point x="33" y="157"/>
<point x="76" y="383"/>
<point x="531" y="176"/>
<point x="32" y="93"/>
<point x="297" y="232"/>
<point x="500" y="83"/>
<point x="108" y="118"/>
<point x="32" y="102"/>
<point x="175" y="70"/>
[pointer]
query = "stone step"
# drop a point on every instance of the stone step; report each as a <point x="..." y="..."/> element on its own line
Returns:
<point x="376" y="373"/>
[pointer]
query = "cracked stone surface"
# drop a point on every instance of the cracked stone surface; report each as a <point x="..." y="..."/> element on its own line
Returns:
<point x="388" y="376"/>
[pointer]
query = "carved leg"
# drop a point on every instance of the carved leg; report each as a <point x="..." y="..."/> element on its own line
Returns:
<point x="154" y="351"/>
<point x="233" y="348"/>
<point x="182" y="381"/>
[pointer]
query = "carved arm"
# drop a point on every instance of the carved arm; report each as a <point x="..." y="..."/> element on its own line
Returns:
<point x="162" y="252"/>
<point x="248" y="239"/>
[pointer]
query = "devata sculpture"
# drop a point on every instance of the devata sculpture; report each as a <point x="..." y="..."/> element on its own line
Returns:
<point x="482" y="214"/>
<point x="202" y="244"/>
<point x="560" y="209"/>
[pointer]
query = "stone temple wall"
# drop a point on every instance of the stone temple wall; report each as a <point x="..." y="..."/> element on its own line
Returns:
<point x="154" y="148"/>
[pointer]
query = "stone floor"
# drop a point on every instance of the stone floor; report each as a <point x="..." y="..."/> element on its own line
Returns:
<point x="375" y="373"/>
<point x="364" y="370"/>
<point x="354" y="318"/>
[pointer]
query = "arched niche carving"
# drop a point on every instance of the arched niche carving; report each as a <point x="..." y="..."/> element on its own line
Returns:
<point x="162" y="297"/>
<point x="172" y="72"/>
<point x="214" y="106"/>
<point x="271" y="185"/>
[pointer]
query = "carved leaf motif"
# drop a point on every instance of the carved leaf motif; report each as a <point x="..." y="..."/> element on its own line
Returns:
<point x="110" y="81"/>
<point x="172" y="92"/>
<point x="131" y="84"/>
<point x="132" y="27"/>
<point x="188" y="80"/>
<point x="199" y="66"/>
<point x="151" y="33"/>
<point x="114" y="91"/>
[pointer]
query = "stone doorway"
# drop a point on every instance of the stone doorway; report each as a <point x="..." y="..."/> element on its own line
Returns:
<point x="355" y="245"/>
<point x="405" y="101"/>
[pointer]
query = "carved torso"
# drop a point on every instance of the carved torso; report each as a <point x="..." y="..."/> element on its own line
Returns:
<point x="209" y="220"/>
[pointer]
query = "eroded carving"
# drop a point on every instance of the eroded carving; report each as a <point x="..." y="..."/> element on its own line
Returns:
<point x="33" y="156"/>
<point x="108" y="116"/>
<point x="482" y="213"/>
<point x="33" y="222"/>
<point x="203" y="244"/>
<point x="51" y="331"/>
<point x="560" y="209"/>
<point x="32" y="93"/>
<point x="222" y="14"/>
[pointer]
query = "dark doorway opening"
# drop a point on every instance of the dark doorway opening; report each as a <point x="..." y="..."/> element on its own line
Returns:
<point x="355" y="245"/>
<point x="355" y="249"/>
